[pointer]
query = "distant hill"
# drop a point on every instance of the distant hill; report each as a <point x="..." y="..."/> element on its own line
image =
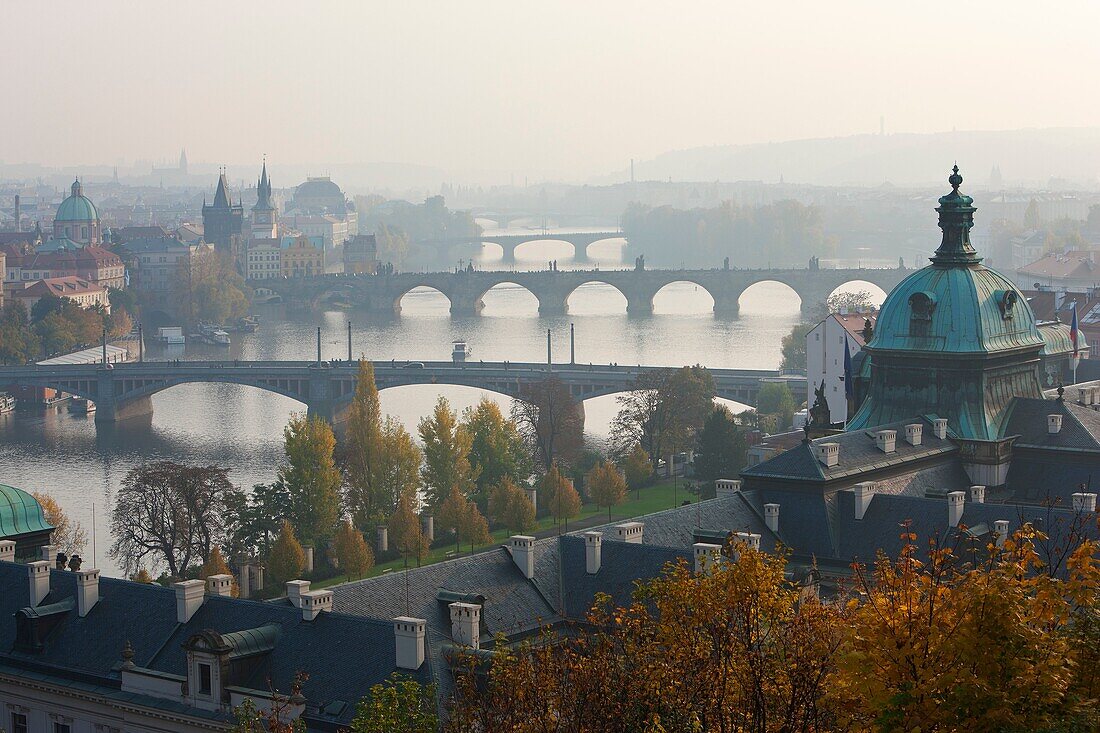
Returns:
<point x="1029" y="157"/>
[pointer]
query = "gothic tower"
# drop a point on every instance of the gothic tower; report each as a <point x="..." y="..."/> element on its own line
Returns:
<point x="222" y="220"/>
<point x="265" y="224"/>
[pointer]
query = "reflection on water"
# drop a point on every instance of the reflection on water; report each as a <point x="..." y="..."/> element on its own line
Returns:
<point x="241" y="427"/>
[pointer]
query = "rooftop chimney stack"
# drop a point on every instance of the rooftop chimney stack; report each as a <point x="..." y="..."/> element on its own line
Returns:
<point x="294" y="591"/>
<point x="726" y="487"/>
<point x="39" y="574"/>
<point x="977" y="494"/>
<point x="1000" y="527"/>
<point x="7" y="550"/>
<point x="914" y="433"/>
<point x="87" y="590"/>
<point x="864" y="491"/>
<point x="749" y="538"/>
<point x="939" y="428"/>
<point x="189" y="595"/>
<point x="1084" y="502"/>
<point x="707" y="556"/>
<point x="956" y="501"/>
<point x="523" y="553"/>
<point x="314" y="602"/>
<point x="771" y="516"/>
<point x="593" y="544"/>
<point x="886" y="440"/>
<point x="629" y="532"/>
<point x="466" y="624"/>
<point x="1054" y="424"/>
<point x="828" y="454"/>
<point x="220" y="585"/>
<point x="409" y="633"/>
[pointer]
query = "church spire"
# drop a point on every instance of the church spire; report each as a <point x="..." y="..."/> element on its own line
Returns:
<point x="956" y="212"/>
<point x="221" y="196"/>
<point x="263" y="190"/>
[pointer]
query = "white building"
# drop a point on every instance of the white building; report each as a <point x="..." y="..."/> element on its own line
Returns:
<point x="825" y="357"/>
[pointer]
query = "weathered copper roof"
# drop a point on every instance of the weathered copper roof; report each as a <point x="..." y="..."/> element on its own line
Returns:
<point x="20" y="513"/>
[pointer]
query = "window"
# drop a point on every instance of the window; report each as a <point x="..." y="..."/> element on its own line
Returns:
<point x="204" y="679"/>
<point x="61" y="728"/>
<point x="18" y="723"/>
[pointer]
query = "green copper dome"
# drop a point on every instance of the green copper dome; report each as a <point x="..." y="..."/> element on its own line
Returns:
<point x="20" y="513"/>
<point x="77" y="207"/>
<point x="955" y="339"/>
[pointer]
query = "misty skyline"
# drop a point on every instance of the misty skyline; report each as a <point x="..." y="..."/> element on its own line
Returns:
<point x="569" y="91"/>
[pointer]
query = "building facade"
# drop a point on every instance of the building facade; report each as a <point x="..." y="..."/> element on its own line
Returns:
<point x="825" y="344"/>
<point x="302" y="258"/>
<point x="265" y="217"/>
<point x="82" y="292"/>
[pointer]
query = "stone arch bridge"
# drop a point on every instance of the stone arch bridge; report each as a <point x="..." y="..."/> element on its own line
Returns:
<point x="580" y="241"/>
<point x="465" y="289"/>
<point x="123" y="391"/>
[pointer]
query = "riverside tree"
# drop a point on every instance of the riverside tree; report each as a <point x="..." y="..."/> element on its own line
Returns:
<point x="606" y="486"/>
<point x="722" y="447"/>
<point x="664" y="411"/>
<point x="446" y="455"/>
<point x="352" y="551"/>
<point x="497" y="450"/>
<point x="68" y="535"/>
<point x="550" y="421"/>
<point x="311" y="478"/>
<point x="460" y="515"/>
<point x="364" y="495"/>
<point x="216" y="565"/>
<point x="559" y="497"/>
<point x="405" y="534"/>
<point x="287" y="558"/>
<point x="510" y="507"/>
<point x="637" y="467"/>
<point x="399" y="468"/>
<point x="168" y="513"/>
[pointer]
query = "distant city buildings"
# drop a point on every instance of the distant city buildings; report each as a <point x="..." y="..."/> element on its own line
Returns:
<point x="361" y="254"/>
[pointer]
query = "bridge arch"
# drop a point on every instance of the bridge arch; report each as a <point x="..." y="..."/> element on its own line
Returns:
<point x="595" y="298"/>
<point x="877" y="294"/>
<point x="516" y="298"/>
<point x="769" y="294"/>
<point x="425" y="290"/>
<point x="546" y="239"/>
<point x="683" y="297"/>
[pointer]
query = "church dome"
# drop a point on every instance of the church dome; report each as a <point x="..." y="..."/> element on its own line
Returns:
<point x="20" y="513"/>
<point x="319" y="187"/>
<point x="77" y="207"/>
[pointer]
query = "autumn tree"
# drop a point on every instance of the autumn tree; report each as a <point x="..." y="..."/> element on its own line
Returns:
<point x="277" y="717"/>
<point x="169" y="513"/>
<point x="287" y="558"/>
<point x="399" y="466"/>
<point x="352" y="551"/>
<point x="399" y="705"/>
<point x="637" y="467"/>
<point x="558" y="496"/>
<point x="216" y="565"/>
<point x="405" y="534"/>
<point x="446" y="455"/>
<point x="255" y="518"/>
<point x="459" y="515"/>
<point x="68" y="535"/>
<point x="664" y="411"/>
<point x="365" y="451"/>
<point x="497" y="450"/>
<point x="142" y="576"/>
<point x="510" y="507"/>
<point x="550" y="420"/>
<point x="311" y="478"/>
<point x="606" y="486"/>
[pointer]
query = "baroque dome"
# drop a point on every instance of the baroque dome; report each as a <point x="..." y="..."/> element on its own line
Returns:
<point x="77" y="207"/>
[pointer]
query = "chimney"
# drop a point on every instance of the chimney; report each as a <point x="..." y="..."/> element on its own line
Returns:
<point x="707" y="556"/>
<point x="314" y="602"/>
<point x="7" y="550"/>
<point x="244" y="581"/>
<point x="409" y="633"/>
<point x="629" y="532"/>
<point x="523" y="553"/>
<point x="87" y="590"/>
<point x="726" y="487"/>
<point x="309" y="558"/>
<point x="864" y="492"/>
<point x="47" y="553"/>
<point x="1000" y="527"/>
<point x="977" y="494"/>
<point x="532" y="496"/>
<point x="939" y="427"/>
<point x="956" y="501"/>
<point x="188" y="599"/>
<point x="294" y="591"/>
<point x="39" y="573"/>
<point x="1085" y="395"/>
<point x="593" y="542"/>
<point x="827" y="453"/>
<point x="466" y="624"/>
<point x="749" y="538"/>
<point x="1084" y="502"/>
<point x="771" y="516"/>
<point x="1054" y="424"/>
<point x="885" y="440"/>
<point x="914" y="432"/>
<point x="220" y="585"/>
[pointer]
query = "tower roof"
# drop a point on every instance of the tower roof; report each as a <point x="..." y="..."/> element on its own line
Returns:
<point x="20" y="513"/>
<point x="263" y="192"/>
<point x="77" y="206"/>
<point x="221" y="196"/>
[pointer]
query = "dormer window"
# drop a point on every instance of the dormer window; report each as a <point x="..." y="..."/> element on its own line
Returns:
<point x="1006" y="302"/>
<point x="206" y="675"/>
<point x="922" y="305"/>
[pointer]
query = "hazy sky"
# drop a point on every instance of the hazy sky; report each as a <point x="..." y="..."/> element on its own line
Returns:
<point x="565" y="89"/>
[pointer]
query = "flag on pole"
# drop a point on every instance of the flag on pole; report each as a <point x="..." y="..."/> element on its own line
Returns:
<point x="1073" y="330"/>
<point x="849" y="391"/>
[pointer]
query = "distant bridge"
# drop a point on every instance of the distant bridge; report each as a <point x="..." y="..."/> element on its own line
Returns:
<point x="580" y="241"/>
<point x="465" y="290"/>
<point x="123" y="391"/>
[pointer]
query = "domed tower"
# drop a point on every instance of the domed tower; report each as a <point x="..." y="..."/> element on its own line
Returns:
<point x="77" y="218"/>
<point x="954" y="340"/>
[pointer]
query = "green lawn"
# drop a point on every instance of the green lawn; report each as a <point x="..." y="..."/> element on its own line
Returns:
<point x="651" y="499"/>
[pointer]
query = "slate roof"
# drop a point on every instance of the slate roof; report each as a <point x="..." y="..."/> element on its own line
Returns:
<point x="1035" y="478"/>
<point x="344" y="655"/>
<point x="1027" y="418"/>
<point x="621" y="565"/>
<point x="858" y="455"/>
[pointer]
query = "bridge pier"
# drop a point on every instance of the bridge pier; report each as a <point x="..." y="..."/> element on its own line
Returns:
<point x="112" y="411"/>
<point x="727" y="305"/>
<point x="639" y="305"/>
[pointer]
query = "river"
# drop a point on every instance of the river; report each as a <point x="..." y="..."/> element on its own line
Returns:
<point x="241" y="427"/>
